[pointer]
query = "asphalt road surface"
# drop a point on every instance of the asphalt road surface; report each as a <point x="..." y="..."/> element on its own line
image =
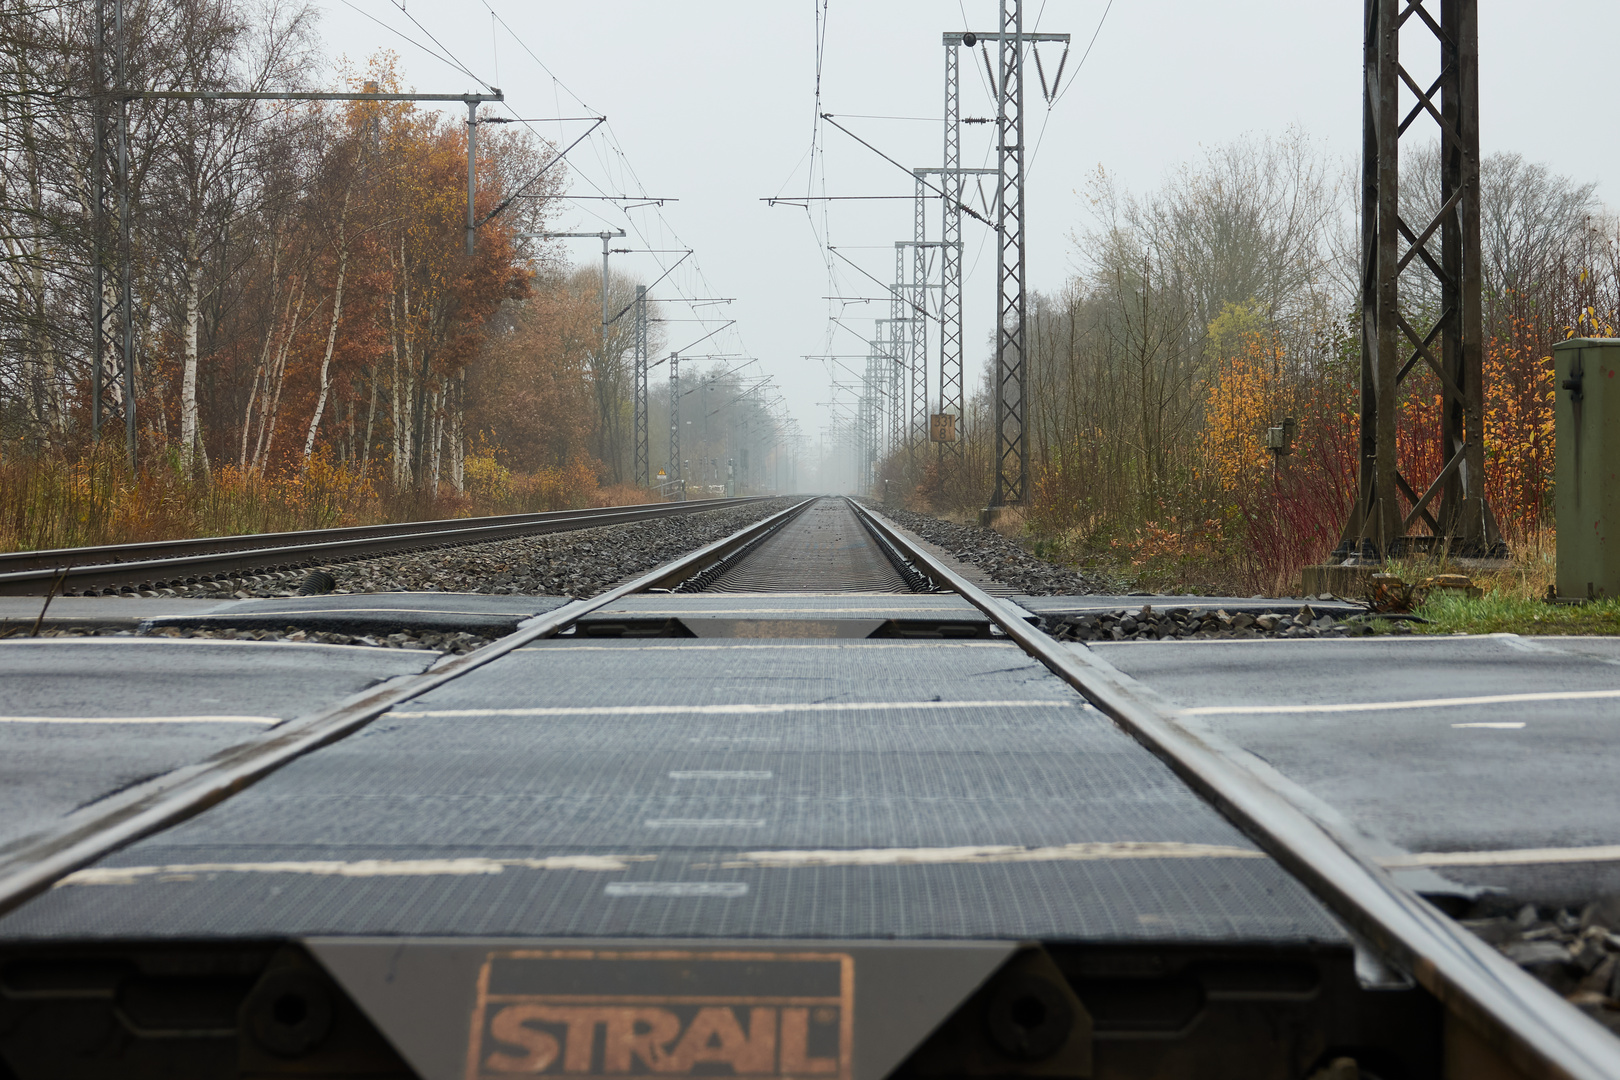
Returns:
<point x="81" y="718"/>
<point x="1485" y="759"/>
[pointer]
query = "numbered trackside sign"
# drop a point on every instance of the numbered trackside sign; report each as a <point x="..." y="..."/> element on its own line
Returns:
<point x="592" y="1012"/>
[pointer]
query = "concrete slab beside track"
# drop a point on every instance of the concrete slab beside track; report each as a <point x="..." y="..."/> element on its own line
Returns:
<point x="83" y="717"/>
<point x="1454" y="746"/>
<point x="351" y="612"/>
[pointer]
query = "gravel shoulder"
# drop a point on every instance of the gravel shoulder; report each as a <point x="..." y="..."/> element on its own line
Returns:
<point x="1001" y="559"/>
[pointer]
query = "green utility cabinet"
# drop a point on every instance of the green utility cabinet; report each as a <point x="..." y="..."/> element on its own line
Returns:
<point x="1587" y="473"/>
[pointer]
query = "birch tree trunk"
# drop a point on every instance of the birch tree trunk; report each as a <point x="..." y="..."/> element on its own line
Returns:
<point x="192" y="453"/>
<point x="272" y="397"/>
<point x="331" y="332"/>
<point x="261" y="371"/>
<point x="458" y="433"/>
<point x="371" y="423"/>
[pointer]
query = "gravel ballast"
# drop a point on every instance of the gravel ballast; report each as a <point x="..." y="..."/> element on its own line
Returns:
<point x="1574" y="953"/>
<point x="1145" y="623"/>
<point x="431" y="640"/>
<point x="1001" y="559"/>
<point x="579" y="563"/>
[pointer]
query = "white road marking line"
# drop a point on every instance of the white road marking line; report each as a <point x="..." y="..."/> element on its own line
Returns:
<point x="999" y="853"/>
<point x="1511" y="857"/>
<point x="720" y="774"/>
<point x="735" y="710"/>
<point x="557" y="644"/>
<point x="362" y="868"/>
<point x="221" y="719"/>
<point x="1423" y="703"/>
<point x="1506" y="725"/>
<point x="763" y="860"/>
<point x="723" y="889"/>
<point x="963" y="608"/>
<point x="704" y="823"/>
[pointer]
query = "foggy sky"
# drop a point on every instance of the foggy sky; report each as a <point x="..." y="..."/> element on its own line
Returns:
<point x="711" y="103"/>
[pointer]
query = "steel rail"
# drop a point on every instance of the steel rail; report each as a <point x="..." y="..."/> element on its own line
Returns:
<point x="31" y="573"/>
<point x="1534" y="1028"/>
<point x="31" y="864"/>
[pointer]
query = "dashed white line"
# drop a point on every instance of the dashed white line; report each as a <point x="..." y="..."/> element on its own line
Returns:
<point x="704" y="823"/>
<point x="724" y="889"/>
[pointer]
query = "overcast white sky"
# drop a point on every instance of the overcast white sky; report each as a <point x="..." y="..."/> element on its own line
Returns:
<point x="710" y="102"/>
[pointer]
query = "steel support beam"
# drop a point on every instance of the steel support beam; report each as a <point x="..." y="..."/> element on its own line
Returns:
<point x="1452" y="347"/>
<point x="917" y="436"/>
<point x="675" y="474"/>
<point x="643" y="449"/>
<point x="902" y="323"/>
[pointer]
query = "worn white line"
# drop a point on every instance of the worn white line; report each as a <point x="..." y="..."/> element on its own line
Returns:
<point x="361" y="868"/>
<point x="964" y="609"/>
<point x="720" y="774"/>
<point x="997" y="853"/>
<point x="736" y="710"/>
<point x="1422" y="703"/>
<point x="1510" y="857"/>
<point x="704" y="823"/>
<point x="1505" y="725"/>
<point x="221" y="719"/>
<point x="259" y="614"/>
<point x="555" y="645"/>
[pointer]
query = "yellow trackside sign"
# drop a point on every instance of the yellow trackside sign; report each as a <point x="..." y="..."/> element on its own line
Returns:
<point x="592" y="1012"/>
<point x="942" y="427"/>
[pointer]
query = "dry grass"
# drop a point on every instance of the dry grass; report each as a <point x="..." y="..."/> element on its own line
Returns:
<point x="56" y="502"/>
<point x="1512" y="598"/>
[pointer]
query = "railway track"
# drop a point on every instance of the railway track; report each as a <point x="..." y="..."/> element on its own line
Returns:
<point x="805" y="802"/>
<point x="121" y="567"/>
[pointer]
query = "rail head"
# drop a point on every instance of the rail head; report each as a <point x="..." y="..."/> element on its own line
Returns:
<point x="1527" y="1023"/>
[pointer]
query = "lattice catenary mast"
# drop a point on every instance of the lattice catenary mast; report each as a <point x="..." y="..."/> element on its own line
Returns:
<point x="1453" y="347"/>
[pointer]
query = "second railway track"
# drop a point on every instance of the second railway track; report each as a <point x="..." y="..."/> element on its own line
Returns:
<point x="111" y="568"/>
<point x="870" y="823"/>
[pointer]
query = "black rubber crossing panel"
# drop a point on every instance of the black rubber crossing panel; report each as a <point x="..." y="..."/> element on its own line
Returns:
<point x="692" y="789"/>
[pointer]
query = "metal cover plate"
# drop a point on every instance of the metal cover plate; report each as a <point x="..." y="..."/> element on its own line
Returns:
<point x="475" y="1010"/>
<point x="781" y="628"/>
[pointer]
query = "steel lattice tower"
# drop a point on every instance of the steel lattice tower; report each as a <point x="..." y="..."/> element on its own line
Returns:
<point x="917" y="436"/>
<point x="643" y="450"/>
<point x="1011" y="379"/>
<point x="901" y="331"/>
<point x="1378" y="525"/>
<point x="950" y="296"/>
